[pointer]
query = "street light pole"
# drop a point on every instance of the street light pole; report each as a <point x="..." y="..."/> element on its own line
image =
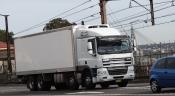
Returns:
<point x="8" y="43"/>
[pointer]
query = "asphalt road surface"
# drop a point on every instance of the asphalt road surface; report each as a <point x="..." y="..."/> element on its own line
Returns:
<point x="137" y="89"/>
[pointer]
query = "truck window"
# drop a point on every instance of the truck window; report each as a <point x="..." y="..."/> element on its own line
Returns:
<point x="93" y="44"/>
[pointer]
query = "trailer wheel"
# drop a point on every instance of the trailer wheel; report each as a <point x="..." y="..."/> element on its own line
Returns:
<point x="31" y="83"/>
<point x="43" y="85"/>
<point x="104" y="85"/>
<point x="87" y="80"/>
<point x="60" y="86"/>
<point x="123" y="83"/>
<point x="72" y="83"/>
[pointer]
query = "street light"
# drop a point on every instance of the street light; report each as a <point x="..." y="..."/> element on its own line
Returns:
<point x="8" y="43"/>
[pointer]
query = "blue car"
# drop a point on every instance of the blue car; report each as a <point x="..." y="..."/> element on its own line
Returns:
<point x="162" y="74"/>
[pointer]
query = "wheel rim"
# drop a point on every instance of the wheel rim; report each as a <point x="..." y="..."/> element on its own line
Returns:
<point x="88" y="80"/>
<point x="71" y="82"/>
<point x="40" y="84"/>
<point x="154" y="86"/>
<point x="31" y="83"/>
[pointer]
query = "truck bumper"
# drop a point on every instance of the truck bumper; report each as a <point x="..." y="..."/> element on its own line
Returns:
<point x="103" y="75"/>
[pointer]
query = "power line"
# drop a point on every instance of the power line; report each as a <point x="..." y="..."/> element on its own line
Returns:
<point x="42" y="23"/>
<point x="151" y="25"/>
<point x="139" y="21"/>
<point x="119" y="21"/>
<point x="139" y="13"/>
<point x="80" y="11"/>
<point x="124" y="9"/>
<point x="156" y="24"/>
<point x="87" y="17"/>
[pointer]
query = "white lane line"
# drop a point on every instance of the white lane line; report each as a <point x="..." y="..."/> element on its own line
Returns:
<point x="163" y="94"/>
<point x="143" y="87"/>
<point x="86" y="92"/>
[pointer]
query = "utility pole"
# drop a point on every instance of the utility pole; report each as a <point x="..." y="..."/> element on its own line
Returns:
<point x="152" y="12"/>
<point x="8" y="44"/>
<point x="103" y="11"/>
<point x="133" y="37"/>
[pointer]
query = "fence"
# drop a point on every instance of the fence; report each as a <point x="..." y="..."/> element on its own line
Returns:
<point x="5" y="76"/>
<point x="144" y="63"/>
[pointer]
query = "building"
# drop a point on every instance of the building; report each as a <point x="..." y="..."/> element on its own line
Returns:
<point x="3" y="57"/>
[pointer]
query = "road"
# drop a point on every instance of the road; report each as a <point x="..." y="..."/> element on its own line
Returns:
<point x="138" y="89"/>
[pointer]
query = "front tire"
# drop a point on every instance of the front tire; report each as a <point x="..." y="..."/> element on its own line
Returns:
<point x="104" y="85"/>
<point x="123" y="83"/>
<point x="87" y="80"/>
<point x="155" y="88"/>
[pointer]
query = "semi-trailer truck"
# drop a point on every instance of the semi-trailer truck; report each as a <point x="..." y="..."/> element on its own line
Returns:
<point x="77" y="55"/>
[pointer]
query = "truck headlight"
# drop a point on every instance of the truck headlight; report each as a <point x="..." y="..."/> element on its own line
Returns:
<point x="106" y="60"/>
<point x="102" y="71"/>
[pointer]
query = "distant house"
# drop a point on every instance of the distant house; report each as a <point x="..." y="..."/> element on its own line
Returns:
<point x="3" y="56"/>
<point x="3" y="46"/>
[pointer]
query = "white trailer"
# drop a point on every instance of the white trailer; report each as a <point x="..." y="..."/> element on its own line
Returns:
<point x="73" y="56"/>
<point x="45" y="52"/>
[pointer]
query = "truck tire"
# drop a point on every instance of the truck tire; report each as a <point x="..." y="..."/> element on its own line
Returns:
<point x="87" y="80"/>
<point x="72" y="83"/>
<point x="60" y="86"/>
<point x="43" y="85"/>
<point x="104" y="85"/>
<point x="31" y="83"/>
<point x="123" y="83"/>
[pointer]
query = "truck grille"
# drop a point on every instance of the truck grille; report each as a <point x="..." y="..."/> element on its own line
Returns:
<point x="118" y="71"/>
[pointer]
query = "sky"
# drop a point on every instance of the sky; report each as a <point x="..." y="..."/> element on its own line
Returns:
<point x="26" y="13"/>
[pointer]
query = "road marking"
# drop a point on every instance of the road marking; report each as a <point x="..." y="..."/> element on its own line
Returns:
<point x="142" y="87"/>
<point x="86" y="92"/>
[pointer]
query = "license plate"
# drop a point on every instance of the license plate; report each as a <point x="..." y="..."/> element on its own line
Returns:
<point x="118" y="81"/>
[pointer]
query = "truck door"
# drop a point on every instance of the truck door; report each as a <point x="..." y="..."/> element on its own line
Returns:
<point x="87" y="54"/>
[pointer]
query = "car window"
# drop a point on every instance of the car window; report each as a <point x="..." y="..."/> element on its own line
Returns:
<point x="160" y="64"/>
<point x="170" y="63"/>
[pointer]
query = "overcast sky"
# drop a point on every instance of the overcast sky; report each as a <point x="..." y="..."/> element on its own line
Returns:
<point x="26" y="13"/>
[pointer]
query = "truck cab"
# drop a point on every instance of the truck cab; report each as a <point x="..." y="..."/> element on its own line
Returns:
<point x="107" y="53"/>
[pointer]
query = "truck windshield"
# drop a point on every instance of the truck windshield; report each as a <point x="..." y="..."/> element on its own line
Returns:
<point x="113" y="45"/>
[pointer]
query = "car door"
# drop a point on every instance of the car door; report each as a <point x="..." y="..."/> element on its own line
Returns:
<point x="158" y="72"/>
<point x="170" y="72"/>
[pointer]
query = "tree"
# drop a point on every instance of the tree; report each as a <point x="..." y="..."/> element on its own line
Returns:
<point x="57" y="23"/>
<point x="3" y="36"/>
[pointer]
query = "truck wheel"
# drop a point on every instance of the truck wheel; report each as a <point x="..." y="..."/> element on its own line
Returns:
<point x="60" y="86"/>
<point x="31" y="83"/>
<point x="123" y="83"/>
<point x="104" y="85"/>
<point x="155" y="87"/>
<point x="57" y="86"/>
<point x="87" y="81"/>
<point x="42" y="85"/>
<point x="72" y="83"/>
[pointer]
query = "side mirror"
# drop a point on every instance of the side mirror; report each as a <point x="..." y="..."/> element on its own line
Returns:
<point x="90" y="49"/>
<point x="89" y="46"/>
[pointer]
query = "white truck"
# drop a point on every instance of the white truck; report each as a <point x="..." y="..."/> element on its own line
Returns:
<point x="77" y="55"/>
